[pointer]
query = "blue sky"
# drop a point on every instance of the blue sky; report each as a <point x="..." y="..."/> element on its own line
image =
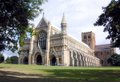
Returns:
<point x="80" y="16"/>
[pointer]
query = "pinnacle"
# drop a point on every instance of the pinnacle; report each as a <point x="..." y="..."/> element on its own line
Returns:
<point x="63" y="19"/>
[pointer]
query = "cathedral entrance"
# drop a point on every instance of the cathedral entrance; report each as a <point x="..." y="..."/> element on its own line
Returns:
<point x="25" y="60"/>
<point x="53" y="61"/>
<point x="39" y="59"/>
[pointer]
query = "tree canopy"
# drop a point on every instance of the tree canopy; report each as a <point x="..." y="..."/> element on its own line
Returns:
<point x="1" y="58"/>
<point x="110" y="19"/>
<point x="14" y="20"/>
<point x="114" y="60"/>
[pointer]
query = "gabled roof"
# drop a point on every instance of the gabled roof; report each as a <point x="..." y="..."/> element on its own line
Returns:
<point x="43" y="22"/>
<point x="103" y="47"/>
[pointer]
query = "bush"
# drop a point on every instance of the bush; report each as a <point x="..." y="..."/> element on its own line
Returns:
<point x="8" y="60"/>
<point x="12" y="60"/>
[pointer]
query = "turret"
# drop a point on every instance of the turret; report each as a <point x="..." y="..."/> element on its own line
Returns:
<point x="63" y="25"/>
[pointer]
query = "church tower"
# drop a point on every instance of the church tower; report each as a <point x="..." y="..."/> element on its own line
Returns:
<point x="64" y="25"/>
<point x="89" y="39"/>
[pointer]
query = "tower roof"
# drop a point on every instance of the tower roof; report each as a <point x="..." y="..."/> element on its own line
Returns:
<point x="63" y="19"/>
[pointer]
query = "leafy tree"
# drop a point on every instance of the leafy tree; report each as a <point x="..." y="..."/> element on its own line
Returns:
<point x="114" y="60"/>
<point x="1" y="58"/>
<point x="110" y="19"/>
<point x="15" y="17"/>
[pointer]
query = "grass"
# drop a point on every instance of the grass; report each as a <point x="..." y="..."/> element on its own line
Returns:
<point x="67" y="74"/>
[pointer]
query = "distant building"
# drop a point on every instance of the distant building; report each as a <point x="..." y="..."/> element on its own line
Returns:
<point x="50" y="46"/>
<point x="103" y="52"/>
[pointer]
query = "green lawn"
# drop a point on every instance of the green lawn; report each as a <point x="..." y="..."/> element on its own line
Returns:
<point x="71" y="74"/>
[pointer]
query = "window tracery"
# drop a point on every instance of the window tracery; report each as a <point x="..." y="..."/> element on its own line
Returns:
<point x="42" y="40"/>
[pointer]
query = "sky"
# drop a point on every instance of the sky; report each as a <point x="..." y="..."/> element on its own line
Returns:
<point x="80" y="16"/>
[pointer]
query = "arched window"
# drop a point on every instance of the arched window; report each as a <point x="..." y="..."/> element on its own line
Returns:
<point x="42" y="40"/>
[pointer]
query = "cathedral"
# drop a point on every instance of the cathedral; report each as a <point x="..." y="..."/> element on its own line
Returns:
<point x="51" y="46"/>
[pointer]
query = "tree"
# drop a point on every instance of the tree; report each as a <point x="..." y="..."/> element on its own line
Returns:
<point x="15" y="17"/>
<point x="114" y="60"/>
<point x="1" y="58"/>
<point x="110" y="19"/>
<point x="12" y="60"/>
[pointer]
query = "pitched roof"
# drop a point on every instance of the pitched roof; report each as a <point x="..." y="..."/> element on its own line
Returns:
<point x="42" y="22"/>
<point x="102" y="47"/>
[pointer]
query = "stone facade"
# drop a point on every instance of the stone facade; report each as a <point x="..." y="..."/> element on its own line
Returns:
<point x="50" y="46"/>
<point x="89" y="39"/>
<point x="103" y="52"/>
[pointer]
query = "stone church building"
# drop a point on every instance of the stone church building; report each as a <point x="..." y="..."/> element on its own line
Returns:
<point x="50" y="46"/>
